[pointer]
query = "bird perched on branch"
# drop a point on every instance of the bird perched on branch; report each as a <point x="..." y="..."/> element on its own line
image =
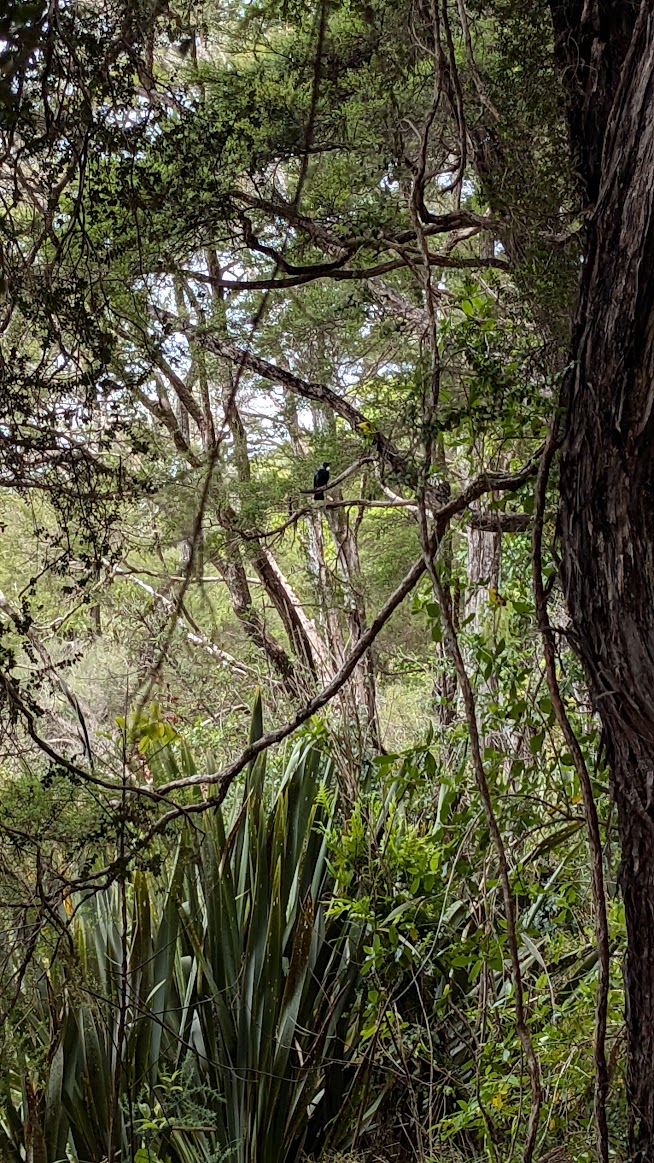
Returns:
<point x="320" y="479"/>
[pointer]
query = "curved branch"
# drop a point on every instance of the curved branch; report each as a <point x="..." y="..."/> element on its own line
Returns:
<point x="332" y="271"/>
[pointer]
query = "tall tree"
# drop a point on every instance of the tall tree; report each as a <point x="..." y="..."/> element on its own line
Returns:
<point x="606" y="51"/>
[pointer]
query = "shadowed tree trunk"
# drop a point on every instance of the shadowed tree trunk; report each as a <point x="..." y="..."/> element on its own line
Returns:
<point x="230" y="565"/>
<point x="301" y="630"/>
<point x="606" y="50"/>
<point x="348" y="567"/>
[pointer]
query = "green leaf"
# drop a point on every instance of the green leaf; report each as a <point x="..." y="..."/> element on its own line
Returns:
<point x="536" y="742"/>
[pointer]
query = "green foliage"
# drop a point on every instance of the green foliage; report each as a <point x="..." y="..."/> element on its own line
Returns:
<point x="209" y="1012"/>
<point x="437" y="970"/>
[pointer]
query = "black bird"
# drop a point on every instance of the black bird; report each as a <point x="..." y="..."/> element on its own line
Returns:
<point x="321" y="476"/>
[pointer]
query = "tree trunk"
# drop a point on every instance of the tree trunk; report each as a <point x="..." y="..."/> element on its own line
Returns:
<point x="348" y="568"/>
<point x="484" y="558"/>
<point x="303" y="635"/>
<point x="607" y="481"/>
<point x="309" y="648"/>
<point x="230" y="565"/>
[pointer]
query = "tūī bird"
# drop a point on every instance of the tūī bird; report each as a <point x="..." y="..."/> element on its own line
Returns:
<point x="321" y="476"/>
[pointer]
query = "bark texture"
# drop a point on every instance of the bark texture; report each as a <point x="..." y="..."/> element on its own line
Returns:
<point x="607" y="478"/>
<point x="484" y="555"/>
<point x="230" y="565"/>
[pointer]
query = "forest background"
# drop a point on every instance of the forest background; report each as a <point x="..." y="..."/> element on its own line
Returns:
<point x="307" y="845"/>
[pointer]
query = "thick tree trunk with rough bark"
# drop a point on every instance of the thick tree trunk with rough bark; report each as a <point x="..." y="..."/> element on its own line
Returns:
<point x="607" y="463"/>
